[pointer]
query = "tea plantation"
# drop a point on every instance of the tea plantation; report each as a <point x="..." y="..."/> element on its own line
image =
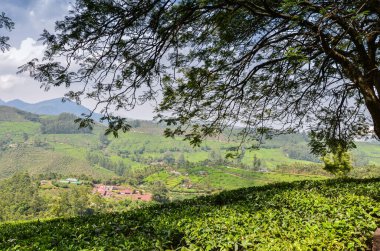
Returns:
<point x="304" y="215"/>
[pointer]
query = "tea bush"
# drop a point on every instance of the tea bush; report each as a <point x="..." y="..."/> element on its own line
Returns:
<point x="307" y="215"/>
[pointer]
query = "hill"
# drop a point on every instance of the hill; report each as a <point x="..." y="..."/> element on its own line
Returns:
<point x="9" y="114"/>
<point x="40" y="144"/>
<point x="51" y="107"/>
<point x="307" y="215"/>
<point x="25" y="148"/>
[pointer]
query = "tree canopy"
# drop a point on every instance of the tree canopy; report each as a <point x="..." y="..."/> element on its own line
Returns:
<point x="5" y="23"/>
<point x="63" y="124"/>
<point x="268" y="66"/>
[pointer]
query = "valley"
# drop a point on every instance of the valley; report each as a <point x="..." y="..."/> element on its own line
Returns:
<point x="51" y="172"/>
<point x="47" y="144"/>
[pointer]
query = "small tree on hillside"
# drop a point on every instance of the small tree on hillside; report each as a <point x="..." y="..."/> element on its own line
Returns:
<point x="104" y="141"/>
<point x="160" y="192"/>
<point x="168" y="158"/>
<point x="256" y="163"/>
<point x="181" y="159"/>
<point x="339" y="164"/>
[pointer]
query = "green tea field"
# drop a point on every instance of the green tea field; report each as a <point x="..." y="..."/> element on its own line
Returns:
<point x="307" y="215"/>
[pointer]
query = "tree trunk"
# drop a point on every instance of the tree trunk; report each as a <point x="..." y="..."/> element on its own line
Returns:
<point x="374" y="110"/>
<point x="372" y="103"/>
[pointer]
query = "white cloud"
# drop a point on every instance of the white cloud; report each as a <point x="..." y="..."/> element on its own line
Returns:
<point x="28" y="50"/>
<point x="7" y="81"/>
<point x="10" y="83"/>
<point x="15" y="57"/>
<point x="22" y="86"/>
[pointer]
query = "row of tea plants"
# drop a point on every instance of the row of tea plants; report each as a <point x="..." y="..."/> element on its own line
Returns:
<point x="308" y="215"/>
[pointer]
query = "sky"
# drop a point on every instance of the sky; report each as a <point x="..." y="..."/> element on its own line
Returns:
<point x="31" y="17"/>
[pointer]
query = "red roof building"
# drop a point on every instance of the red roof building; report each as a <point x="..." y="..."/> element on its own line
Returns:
<point x="143" y="197"/>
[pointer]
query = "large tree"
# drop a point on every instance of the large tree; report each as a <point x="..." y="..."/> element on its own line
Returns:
<point x="268" y="66"/>
<point x="5" y="23"/>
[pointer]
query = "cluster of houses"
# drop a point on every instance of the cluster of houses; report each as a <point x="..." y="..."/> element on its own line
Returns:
<point x="121" y="192"/>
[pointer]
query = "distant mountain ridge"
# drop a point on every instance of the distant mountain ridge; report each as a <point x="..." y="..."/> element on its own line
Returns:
<point x="51" y="107"/>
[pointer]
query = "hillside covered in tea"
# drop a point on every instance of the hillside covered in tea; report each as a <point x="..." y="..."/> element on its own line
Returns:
<point x="338" y="214"/>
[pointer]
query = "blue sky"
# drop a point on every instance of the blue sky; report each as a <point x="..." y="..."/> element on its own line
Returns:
<point x="31" y="17"/>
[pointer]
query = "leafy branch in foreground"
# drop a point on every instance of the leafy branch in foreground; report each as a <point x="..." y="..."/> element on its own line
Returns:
<point x="266" y="65"/>
<point x="5" y="22"/>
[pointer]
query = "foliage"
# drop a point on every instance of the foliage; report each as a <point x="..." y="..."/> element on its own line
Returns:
<point x="302" y="168"/>
<point x="200" y="179"/>
<point x="309" y="215"/>
<point x="72" y="202"/>
<point x="367" y="171"/>
<point x="19" y="198"/>
<point x="299" y="151"/>
<point x="271" y="66"/>
<point x="63" y="124"/>
<point x="338" y="163"/>
<point x="137" y="151"/>
<point x="120" y="168"/>
<point x="23" y="198"/>
<point x="160" y="192"/>
<point x="8" y="24"/>
<point x="104" y="141"/>
<point x="256" y="163"/>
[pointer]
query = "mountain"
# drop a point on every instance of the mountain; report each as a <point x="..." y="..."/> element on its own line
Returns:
<point x="17" y="103"/>
<point x="51" y="107"/>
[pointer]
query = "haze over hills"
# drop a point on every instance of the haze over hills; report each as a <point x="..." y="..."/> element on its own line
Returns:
<point x="51" y="107"/>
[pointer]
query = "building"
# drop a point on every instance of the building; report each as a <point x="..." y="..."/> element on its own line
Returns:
<point x="142" y="197"/>
<point x="121" y="192"/>
<point x="71" y="181"/>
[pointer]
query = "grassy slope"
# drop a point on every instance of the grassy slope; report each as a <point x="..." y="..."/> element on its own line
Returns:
<point x="66" y="153"/>
<point x="221" y="178"/>
<point x="371" y="151"/>
<point x="155" y="145"/>
<point x="38" y="161"/>
<point x="307" y="215"/>
<point x="17" y="129"/>
<point x="74" y="147"/>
